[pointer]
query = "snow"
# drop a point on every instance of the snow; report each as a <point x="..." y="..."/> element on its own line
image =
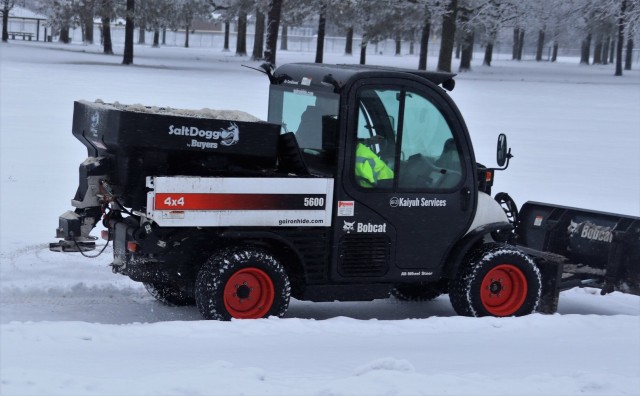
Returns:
<point x="231" y="115"/>
<point x="68" y="326"/>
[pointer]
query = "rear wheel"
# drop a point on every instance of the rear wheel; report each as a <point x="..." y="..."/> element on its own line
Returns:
<point x="496" y="280"/>
<point x="242" y="283"/>
<point x="169" y="294"/>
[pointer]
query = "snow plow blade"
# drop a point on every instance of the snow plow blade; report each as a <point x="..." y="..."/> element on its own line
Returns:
<point x="584" y="247"/>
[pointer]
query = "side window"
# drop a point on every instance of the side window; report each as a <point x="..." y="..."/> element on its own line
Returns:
<point x="427" y="158"/>
<point x="376" y="136"/>
<point x="304" y="113"/>
<point x="429" y="155"/>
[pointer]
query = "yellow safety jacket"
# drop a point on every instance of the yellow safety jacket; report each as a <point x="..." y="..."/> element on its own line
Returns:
<point x="370" y="168"/>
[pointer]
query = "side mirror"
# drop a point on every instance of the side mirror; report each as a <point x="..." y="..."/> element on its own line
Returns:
<point x="503" y="153"/>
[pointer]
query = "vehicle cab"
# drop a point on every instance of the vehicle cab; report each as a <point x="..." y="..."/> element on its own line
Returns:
<point x="402" y="223"/>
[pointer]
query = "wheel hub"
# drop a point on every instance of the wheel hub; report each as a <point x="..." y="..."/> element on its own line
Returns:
<point x="495" y="287"/>
<point x="243" y="291"/>
<point x="503" y="290"/>
<point x="249" y="294"/>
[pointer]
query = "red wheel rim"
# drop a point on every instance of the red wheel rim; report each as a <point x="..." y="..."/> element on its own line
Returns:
<point x="503" y="290"/>
<point x="249" y="294"/>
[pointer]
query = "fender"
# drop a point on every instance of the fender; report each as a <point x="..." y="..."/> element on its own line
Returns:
<point x="463" y="246"/>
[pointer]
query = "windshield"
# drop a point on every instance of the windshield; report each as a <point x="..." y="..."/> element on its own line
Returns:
<point x="304" y="113"/>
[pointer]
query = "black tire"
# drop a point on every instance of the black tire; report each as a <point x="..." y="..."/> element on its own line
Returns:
<point x="243" y="283"/>
<point x="169" y="294"/>
<point x="419" y="291"/>
<point x="496" y="280"/>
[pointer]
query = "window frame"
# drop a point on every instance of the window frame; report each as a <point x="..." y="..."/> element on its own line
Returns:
<point x="456" y="129"/>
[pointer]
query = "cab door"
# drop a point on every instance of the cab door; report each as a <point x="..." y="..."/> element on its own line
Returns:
<point x="407" y="223"/>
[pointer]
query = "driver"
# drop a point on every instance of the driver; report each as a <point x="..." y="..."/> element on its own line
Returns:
<point x="370" y="169"/>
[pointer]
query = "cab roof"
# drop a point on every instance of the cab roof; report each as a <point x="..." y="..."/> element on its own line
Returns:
<point x="334" y="77"/>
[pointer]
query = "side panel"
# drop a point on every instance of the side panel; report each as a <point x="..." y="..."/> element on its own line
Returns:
<point x="222" y="202"/>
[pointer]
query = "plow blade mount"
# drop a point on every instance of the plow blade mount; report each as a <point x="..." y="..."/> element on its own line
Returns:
<point x="594" y="248"/>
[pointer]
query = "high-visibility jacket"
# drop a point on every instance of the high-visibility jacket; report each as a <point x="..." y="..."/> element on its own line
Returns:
<point x="370" y="168"/>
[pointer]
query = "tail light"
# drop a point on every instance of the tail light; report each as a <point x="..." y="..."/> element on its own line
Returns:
<point x="488" y="176"/>
<point x="132" y="246"/>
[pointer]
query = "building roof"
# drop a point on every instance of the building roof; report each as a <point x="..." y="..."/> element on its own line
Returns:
<point x="24" y="13"/>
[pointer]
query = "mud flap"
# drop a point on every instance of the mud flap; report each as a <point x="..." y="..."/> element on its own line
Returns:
<point x="551" y="273"/>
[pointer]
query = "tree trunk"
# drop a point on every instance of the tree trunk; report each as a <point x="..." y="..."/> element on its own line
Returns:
<point x="284" y="38"/>
<point x="448" y="36"/>
<point x="227" y="27"/>
<point x="412" y="45"/>
<point x="241" y="42"/>
<point x="363" y="51"/>
<point x="612" y="50"/>
<point x="467" y="50"/>
<point x="64" y="35"/>
<point x="164" y="36"/>
<point x="187" y="31"/>
<point x="107" y="46"/>
<point x="273" y="26"/>
<point x="605" y="50"/>
<point x="488" y="54"/>
<point x="520" y="44"/>
<point x="424" y="44"/>
<point x="5" y="22"/>
<point x="142" y="35"/>
<point x="86" y="12"/>
<point x="398" y="46"/>
<point x="585" y="51"/>
<point x="516" y="41"/>
<point x="258" y="38"/>
<point x="620" y="43"/>
<point x="348" y="47"/>
<point x="597" y="51"/>
<point x="540" y="45"/>
<point x="128" y="33"/>
<point x="628" y="60"/>
<point x="156" y="38"/>
<point x="322" y="21"/>
<point x="458" y="48"/>
<point x="554" y="54"/>
<point x="88" y="30"/>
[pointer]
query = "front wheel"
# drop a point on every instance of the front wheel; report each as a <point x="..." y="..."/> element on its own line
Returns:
<point x="242" y="283"/>
<point x="496" y="280"/>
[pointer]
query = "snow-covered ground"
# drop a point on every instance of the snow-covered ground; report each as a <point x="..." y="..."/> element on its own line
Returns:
<point x="71" y="327"/>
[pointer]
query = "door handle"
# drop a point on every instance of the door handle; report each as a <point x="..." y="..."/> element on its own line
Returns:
<point x="465" y="199"/>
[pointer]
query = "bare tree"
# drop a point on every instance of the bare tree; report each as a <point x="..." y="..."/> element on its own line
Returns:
<point x="128" y="33"/>
<point x="258" y="37"/>
<point x="273" y="25"/>
<point x="322" y="21"/>
<point x="621" y="22"/>
<point x="7" y="5"/>
<point x="448" y="36"/>
<point x="106" y="13"/>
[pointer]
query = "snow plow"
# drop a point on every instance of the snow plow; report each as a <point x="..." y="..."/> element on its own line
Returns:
<point x="362" y="183"/>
